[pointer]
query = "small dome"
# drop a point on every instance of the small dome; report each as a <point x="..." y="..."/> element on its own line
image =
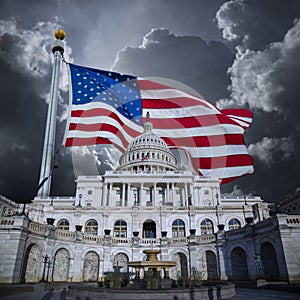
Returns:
<point x="148" y="152"/>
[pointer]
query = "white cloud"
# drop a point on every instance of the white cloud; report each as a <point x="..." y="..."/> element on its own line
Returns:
<point x="268" y="150"/>
<point x="268" y="79"/>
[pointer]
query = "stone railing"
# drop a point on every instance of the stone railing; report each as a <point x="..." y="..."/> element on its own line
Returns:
<point x="7" y="221"/>
<point x="38" y="228"/>
<point x="236" y="233"/>
<point x="93" y="238"/>
<point x="293" y="220"/>
<point x="265" y="225"/>
<point x="179" y="240"/>
<point x="150" y="241"/>
<point x="65" y="234"/>
<point x="205" y="238"/>
<point x="122" y="241"/>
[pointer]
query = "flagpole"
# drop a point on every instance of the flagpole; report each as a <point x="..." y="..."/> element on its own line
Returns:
<point x="49" y="138"/>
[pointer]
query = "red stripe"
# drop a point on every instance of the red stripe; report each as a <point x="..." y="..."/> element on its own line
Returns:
<point x="222" y="162"/>
<point x="101" y="127"/>
<point x="180" y="102"/>
<point x="145" y="84"/>
<point x="206" y="141"/>
<point x="245" y="113"/>
<point x="101" y="112"/>
<point x="86" y="141"/>
<point x="192" y="122"/>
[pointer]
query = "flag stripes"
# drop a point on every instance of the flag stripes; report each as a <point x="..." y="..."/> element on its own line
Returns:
<point x="212" y="138"/>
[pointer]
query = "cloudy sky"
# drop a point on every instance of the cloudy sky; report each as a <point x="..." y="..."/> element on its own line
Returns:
<point x="242" y="53"/>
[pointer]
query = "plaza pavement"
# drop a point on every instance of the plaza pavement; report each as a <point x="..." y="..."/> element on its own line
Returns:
<point x="242" y="294"/>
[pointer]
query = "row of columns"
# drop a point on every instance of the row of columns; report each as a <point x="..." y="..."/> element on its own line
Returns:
<point x="138" y="196"/>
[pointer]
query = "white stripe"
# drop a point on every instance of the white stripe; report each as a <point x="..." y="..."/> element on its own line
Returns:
<point x="199" y="131"/>
<point x="94" y="134"/>
<point x="181" y="112"/>
<point x="240" y="122"/>
<point x="93" y="105"/>
<point x="172" y="93"/>
<point x="105" y="120"/>
<point x="227" y="172"/>
<point x="245" y="119"/>
<point x="216" y="151"/>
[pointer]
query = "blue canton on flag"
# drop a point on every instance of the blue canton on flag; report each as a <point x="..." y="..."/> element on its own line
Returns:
<point x="119" y="91"/>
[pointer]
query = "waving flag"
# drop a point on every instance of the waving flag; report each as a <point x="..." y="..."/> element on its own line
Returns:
<point x="110" y="108"/>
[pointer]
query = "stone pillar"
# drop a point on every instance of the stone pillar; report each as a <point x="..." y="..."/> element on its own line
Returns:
<point x="104" y="194"/>
<point x="185" y="194"/>
<point x="168" y="192"/>
<point x="195" y="199"/>
<point x="123" y="195"/>
<point x="128" y="200"/>
<point x="154" y="194"/>
<point x="109" y="194"/>
<point x="141" y="195"/>
<point x="172" y="196"/>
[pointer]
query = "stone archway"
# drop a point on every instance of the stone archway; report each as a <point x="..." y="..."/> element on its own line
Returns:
<point x="121" y="260"/>
<point x="180" y="271"/>
<point x="239" y="266"/>
<point x="90" y="266"/>
<point x="269" y="261"/>
<point x="211" y="265"/>
<point x="61" y="265"/>
<point x="32" y="264"/>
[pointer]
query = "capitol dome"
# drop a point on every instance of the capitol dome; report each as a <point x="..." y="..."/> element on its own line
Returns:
<point x="148" y="153"/>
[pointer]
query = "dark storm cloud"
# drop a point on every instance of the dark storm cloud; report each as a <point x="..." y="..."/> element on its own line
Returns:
<point x="265" y="77"/>
<point x="25" y="66"/>
<point x="263" y="66"/>
<point x="255" y="24"/>
<point x="189" y="59"/>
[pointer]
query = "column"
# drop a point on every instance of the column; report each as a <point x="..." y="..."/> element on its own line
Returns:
<point x="104" y="194"/>
<point x="168" y="193"/>
<point x="141" y="194"/>
<point x="185" y="194"/>
<point x="195" y="199"/>
<point x="123" y="194"/>
<point x="109" y="194"/>
<point x="154" y="194"/>
<point x="128" y="200"/>
<point x="172" y="197"/>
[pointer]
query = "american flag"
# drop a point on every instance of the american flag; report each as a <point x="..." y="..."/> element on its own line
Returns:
<point x="110" y="108"/>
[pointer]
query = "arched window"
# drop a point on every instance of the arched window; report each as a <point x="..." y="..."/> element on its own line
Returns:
<point x="120" y="229"/>
<point x="234" y="224"/>
<point x="207" y="227"/>
<point x="91" y="227"/>
<point x="178" y="228"/>
<point x="63" y="224"/>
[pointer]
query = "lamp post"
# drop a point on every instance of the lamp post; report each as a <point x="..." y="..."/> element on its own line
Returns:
<point x="256" y="258"/>
<point x="45" y="261"/>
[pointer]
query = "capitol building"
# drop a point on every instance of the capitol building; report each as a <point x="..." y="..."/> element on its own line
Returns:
<point x="148" y="202"/>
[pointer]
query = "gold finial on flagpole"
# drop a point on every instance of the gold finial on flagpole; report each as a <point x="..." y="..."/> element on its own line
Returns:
<point x="60" y="34"/>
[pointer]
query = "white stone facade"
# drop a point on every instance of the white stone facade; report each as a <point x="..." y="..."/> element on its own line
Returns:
<point x="148" y="202"/>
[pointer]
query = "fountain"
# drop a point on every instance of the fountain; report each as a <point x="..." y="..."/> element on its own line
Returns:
<point x="151" y="282"/>
<point x="152" y="269"/>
